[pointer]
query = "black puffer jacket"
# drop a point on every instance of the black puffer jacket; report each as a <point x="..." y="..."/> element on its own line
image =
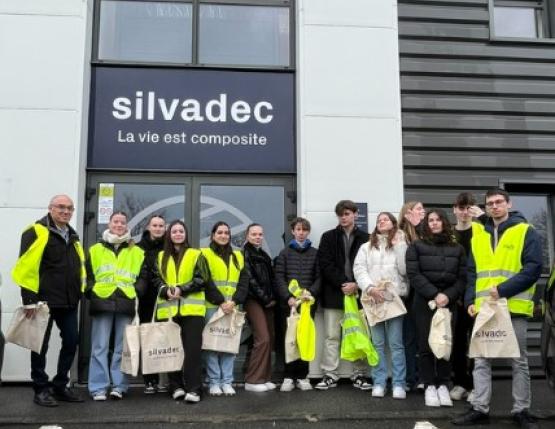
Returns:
<point x="117" y="302"/>
<point x="301" y="264"/>
<point x="258" y="265"/>
<point x="60" y="268"/>
<point x="436" y="267"/>
<point x="151" y="248"/>
<point x="331" y="257"/>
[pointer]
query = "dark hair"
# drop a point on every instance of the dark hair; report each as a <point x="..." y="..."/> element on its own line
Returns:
<point x="154" y="216"/>
<point x="169" y="248"/>
<point x="374" y="236"/>
<point x="465" y="199"/>
<point x="343" y="205"/>
<point x="446" y="233"/>
<point x="252" y="225"/>
<point x="304" y="223"/>
<point x="119" y="212"/>
<point x="223" y="251"/>
<point x="497" y="191"/>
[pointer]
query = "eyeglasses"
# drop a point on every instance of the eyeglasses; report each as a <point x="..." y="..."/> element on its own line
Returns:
<point x="499" y="202"/>
<point x="62" y="207"/>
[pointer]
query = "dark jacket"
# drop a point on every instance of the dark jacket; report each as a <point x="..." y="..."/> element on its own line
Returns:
<point x="213" y="295"/>
<point x="151" y="248"/>
<point x="258" y="266"/>
<point x="331" y="258"/>
<point x="434" y="268"/>
<point x="301" y="264"/>
<point x="531" y="260"/>
<point x="117" y="302"/>
<point x="60" y="268"/>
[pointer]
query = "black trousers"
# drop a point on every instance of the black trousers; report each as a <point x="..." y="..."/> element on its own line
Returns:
<point x="66" y="321"/>
<point x="431" y="371"/>
<point x="462" y="364"/>
<point x="190" y="377"/>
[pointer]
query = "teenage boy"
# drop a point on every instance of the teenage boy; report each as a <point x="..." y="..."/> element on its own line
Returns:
<point x="505" y="262"/>
<point x="336" y="255"/>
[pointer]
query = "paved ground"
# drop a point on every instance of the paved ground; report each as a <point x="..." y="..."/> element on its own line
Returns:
<point x="339" y="407"/>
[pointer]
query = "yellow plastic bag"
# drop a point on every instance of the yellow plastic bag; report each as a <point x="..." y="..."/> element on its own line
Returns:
<point x="355" y="341"/>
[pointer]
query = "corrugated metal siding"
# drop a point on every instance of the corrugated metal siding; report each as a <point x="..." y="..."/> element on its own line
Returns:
<point x="474" y="111"/>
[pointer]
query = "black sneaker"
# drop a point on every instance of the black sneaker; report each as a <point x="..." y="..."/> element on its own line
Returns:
<point x="150" y="389"/>
<point x="525" y="420"/>
<point x="67" y="395"/>
<point x="470" y="418"/>
<point x="326" y="383"/>
<point x="359" y="382"/>
<point x="45" y="399"/>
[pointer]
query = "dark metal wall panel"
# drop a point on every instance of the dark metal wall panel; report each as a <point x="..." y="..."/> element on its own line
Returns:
<point x="475" y="112"/>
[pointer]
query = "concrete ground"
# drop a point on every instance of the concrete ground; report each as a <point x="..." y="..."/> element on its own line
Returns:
<point x="339" y="407"/>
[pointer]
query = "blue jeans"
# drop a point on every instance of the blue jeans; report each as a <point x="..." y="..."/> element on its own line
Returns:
<point x="219" y="366"/>
<point x="391" y="329"/>
<point x="99" y="372"/>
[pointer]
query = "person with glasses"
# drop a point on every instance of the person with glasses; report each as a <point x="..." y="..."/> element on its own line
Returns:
<point x="152" y="242"/>
<point x="436" y="268"/>
<point x="382" y="259"/>
<point x="51" y="268"/>
<point x="505" y="262"/>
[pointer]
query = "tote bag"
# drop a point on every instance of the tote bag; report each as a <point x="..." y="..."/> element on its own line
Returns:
<point x="131" y="353"/>
<point x="29" y="333"/>
<point x="391" y="307"/>
<point x="222" y="333"/>
<point x="440" y="338"/>
<point x="291" y="348"/>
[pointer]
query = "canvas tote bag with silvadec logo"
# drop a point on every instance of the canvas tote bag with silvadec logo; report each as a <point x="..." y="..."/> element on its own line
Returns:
<point x="291" y="347"/>
<point x="29" y="333"/>
<point x="493" y="335"/>
<point x="440" y="338"/>
<point x="391" y="307"/>
<point x="222" y="333"/>
<point x="161" y="346"/>
<point x="131" y="352"/>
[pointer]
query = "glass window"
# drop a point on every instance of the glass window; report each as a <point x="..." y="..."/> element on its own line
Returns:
<point x="240" y="206"/>
<point x="535" y="210"/>
<point x="145" y="31"/>
<point x="515" y="22"/>
<point x="244" y="35"/>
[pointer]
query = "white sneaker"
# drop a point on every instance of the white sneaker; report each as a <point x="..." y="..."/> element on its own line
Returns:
<point x="192" y="397"/>
<point x="304" y="384"/>
<point x="228" y="390"/>
<point x="99" y="397"/>
<point x="458" y="393"/>
<point x="470" y="396"/>
<point x="270" y="386"/>
<point x="443" y="396"/>
<point x="215" y="390"/>
<point x="178" y="393"/>
<point x="399" y="392"/>
<point x="116" y="394"/>
<point x="250" y="387"/>
<point x="287" y="385"/>
<point x="378" y="391"/>
<point x="430" y="397"/>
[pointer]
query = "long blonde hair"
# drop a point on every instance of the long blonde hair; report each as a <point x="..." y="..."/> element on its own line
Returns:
<point x="404" y="225"/>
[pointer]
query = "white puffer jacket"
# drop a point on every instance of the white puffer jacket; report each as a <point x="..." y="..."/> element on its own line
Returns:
<point x="375" y="265"/>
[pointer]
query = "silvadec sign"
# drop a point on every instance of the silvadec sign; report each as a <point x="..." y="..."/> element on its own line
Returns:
<point x="191" y="120"/>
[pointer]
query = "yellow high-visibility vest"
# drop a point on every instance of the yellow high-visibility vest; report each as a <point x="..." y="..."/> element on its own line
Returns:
<point x="191" y="305"/>
<point x="113" y="271"/>
<point x="225" y="277"/>
<point x="494" y="267"/>
<point x="26" y="270"/>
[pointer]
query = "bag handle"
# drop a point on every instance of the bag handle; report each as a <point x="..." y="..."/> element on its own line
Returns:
<point x="156" y="306"/>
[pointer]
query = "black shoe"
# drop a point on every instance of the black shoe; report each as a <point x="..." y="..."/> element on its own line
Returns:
<point x="326" y="383"/>
<point x="45" y="399"/>
<point x="359" y="382"/>
<point x="67" y="395"/>
<point x="525" y="420"/>
<point x="470" y="418"/>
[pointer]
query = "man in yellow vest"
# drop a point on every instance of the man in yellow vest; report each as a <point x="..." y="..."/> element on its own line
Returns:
<point x="505" y="262"/>
<point x="50" y="268"/>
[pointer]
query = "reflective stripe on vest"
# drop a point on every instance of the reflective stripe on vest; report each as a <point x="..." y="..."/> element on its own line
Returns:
<point x="225" y="279"/>
<point x="113" y="271"/>
<point x="495" y="267"/>
<point x="26" y="270"/>
<point x="191" y="305"/>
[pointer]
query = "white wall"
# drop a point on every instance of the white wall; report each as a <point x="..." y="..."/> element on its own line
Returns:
<point x="349" y="109"/>
<point x="44" y="82"/>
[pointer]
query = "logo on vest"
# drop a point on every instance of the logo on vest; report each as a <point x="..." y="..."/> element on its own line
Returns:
<point x="509" y="246"/>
